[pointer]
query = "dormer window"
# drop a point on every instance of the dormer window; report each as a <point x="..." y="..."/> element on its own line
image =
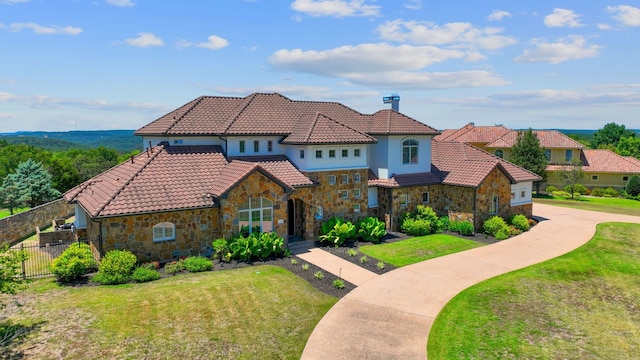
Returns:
<point x="410" y="151"/>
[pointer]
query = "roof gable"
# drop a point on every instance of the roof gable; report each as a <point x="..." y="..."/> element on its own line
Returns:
<point x="320" y="129"/>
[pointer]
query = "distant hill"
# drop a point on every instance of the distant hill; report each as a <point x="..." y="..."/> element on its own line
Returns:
<point x="121" y="140"/>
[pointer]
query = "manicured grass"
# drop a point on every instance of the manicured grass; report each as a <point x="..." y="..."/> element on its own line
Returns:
<point x="418" y="249"/>
<point x="5" y="212"/>
<point x="583" y="305"/>
<point x="608" y="205"/>
<point x="261" y="312"/>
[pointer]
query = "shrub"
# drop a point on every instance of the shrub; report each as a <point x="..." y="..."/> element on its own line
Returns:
<point x="294" y="262"/>
<point x="364" y="259"/>
<point x="563" y="194"/>
<point x="380" y="265"/>
<point x="550" y="189"/>
<point x="443" y="224"/>
<point x="305" y="267"/>
<point x="611" y="192"/>
<point x="633" y="186"/>
<point x="220" y="247"/>
<point x="144" y="274"/>
<point x="599" y="192"/>
<point x="422" y="221"/>
<point x="174" y="267"/>
<point x="520" y="222"/>
<point x="319" y="275"/>
<point x="577" y="188"/>
<point x="198" y="264"/>
<point x="503" y="233"/>
<point x="153" y="265"/>
<point x="336" y="231"/>
<point x="462" y="227"/>
<point x="116" y="268"/>
<point x="371" y="229"/>
<point x="74" y="262"/>
<point x="352" y="252"/>
<point x="513" y="231"/>
<point x="494" y="225"/>
<point x="256" y="245"/>
<point x="338" y="283"/>
<point x="416" y="227"/>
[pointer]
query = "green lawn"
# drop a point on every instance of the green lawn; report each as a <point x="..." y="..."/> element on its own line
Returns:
<point x="583" y="305"/>
<point x="5" y="212"/>
<point x="418" y="249"/>
<point x="261" y="312"/>
<point x="608" y="205"/>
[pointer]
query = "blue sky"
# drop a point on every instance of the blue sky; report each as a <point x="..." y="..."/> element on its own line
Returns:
<point x="119" y="64"/>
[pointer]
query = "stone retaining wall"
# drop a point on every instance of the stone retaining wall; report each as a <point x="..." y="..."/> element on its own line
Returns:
<point x="19" y="226"/>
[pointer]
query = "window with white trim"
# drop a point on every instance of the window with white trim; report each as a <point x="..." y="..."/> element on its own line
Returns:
<point x="513" y="195"/>
<point x="332" y="153"/>
<point x="547" y="154"/>
<point x="255" y="215"/>
<point x="242" y="146"/>
<point x="356" y="152"/>
<point x="356" y="178"/>
<point x="319" y="212"/>
<point x="494" y="205"/>
<point x="404" y="200"/>
<point x="256" y="146"/>
<point x="344" y="178"/>
<point x="425" y="197"/>
<point x="625" y="178"/>
<point x="410" y="151"/>
<point x="356" y="193"/>
<point x="523" y="194"/>
<point x="594" y="177"/>
<point x="344" y="153"/>
<point x="318" y="154"/>
<point x="270" y="146"/>
<point x="177" y="142"/>
<point x="344" y="194"/>
<point x="568" y="155"/>
<point x="332" y="179"/>
<point x="301" y="154"/>
<point x="164" y="232"/>
<point x="356" y="208"/>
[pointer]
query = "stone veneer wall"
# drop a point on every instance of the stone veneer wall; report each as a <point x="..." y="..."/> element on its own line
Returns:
<point x="310" y="225"/>
<point x="329" y="197"/>
<point x="524" y="209"/>
<point x="495" y="183"/>
<point x="22" y="225"/>
<point x="195" y="231"/>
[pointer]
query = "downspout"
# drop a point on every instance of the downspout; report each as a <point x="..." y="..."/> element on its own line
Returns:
<point x="391" y="209"/>
<point x="100" y="247"/>
<point x="475" y="193"/>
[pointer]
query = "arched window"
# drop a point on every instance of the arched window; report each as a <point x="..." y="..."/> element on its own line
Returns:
<point x="255" y="215"/>
<point x="499" y="153"/>
<point x="410" y="151"/>
<point x="164" y="231"/>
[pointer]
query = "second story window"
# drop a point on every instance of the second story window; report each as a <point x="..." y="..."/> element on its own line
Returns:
<point x="356" y="177"/>
<point x="256" y="146"/>
<point x="318" y="154"/>
<point x="301" y="154"/>
<point x="269" y="146"/>
<point x="356" y="152"/>
<point x="242" y="146"/>
<point x="568" y="155"/>
<point x="332" y="154"/>
<point x="344" y="153"/>
<point x="499" y="153"/>
<point x="410" y="151"/>
<point x="547" y="154"/>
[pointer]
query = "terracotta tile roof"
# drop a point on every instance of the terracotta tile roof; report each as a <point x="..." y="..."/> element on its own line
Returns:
<point x="170" y="178"/>
<point x="320" y="129"/>
<point x="402" y="180"/>
<point x="272" y="114"/>
<point x="473" y="134"/>
<point x="549" y="139"/>
<point x="604" y="161"/>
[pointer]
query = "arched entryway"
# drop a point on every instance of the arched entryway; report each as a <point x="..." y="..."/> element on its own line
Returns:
<point x="295" y="219"/>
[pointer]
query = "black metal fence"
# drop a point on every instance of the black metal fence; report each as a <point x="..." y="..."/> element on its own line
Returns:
<point x="38" y="258"/>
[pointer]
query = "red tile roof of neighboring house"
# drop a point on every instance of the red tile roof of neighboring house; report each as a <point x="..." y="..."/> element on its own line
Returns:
<point x="320" y="129"/>
<point x="274" y="114"/>
<point x="549" y="139"/>
<point x="604" y="161"/>
<point x="473" y="134"/>
<point x="170" y="178"/>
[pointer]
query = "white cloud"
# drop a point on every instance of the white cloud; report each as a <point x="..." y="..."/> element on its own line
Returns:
<point x="627" y="15"/>
<point x="45" y="30"/>
<point x="13" y="2"/>
<point x="335" y="8"/>
<point x="454" y="34"/>
<point x="52" y="102"/>
<point x="144" y="40"/>
<point x="214" y="43"/>
<point x="413" y="4"/>
<point x="497" y="15"/>
<point x="413" y="80"/>
<point x="604" y="26"/>
<point x="121" y="3"/>
<point x="562" y="18"/>
<point x="564" y="49"/>
<point x="5" y="96"/>
<point x="7" y="81"/>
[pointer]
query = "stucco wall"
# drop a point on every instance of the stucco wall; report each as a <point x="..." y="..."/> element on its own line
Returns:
<point x="19" y="226"/>
<point x="604" y="180"/>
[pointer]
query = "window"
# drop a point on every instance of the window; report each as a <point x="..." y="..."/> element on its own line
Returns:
<point x="410" y="151"/>
<point x="594" y="177"/>
<point x="318" y="154"/>
<point x="499" y="153"/>
<point x="332" y="179"/>
<point x="356" y="177"/>
<point x="344" y="194"/>
<point x="568" y="155"/>
<point x="425" y="197"/>
<point x="269" y="146"/>
<point x="494" y="205"/>
<point x="523" y="193"/>
<point x="256" y="146"/>
<point x="344" y="178"/>
<point x="344" y="153"/>
<point x="319" y="212"/>
<point x="164" y="232"/>
<point x="513" y="195"/>
<point x="177" y="142"/>
<point x="242" y="146"/>
<point x="403" y="199"/>
<point x="547" y="154"/>
<point x="356" y="208"/>
<point x="332" y="153"/>
<point x="356" y="152"/>
<point x="301" y="154"/>
<point x="625" y="178"/>
<point x="255" y="215"/>
<point x="356" y="193"/>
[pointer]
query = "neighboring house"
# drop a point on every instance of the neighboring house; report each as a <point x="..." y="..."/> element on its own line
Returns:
<point x="219" y="166"/>
<point x="602" y="168"/>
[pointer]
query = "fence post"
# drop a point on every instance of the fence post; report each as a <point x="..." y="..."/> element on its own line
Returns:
<point x="23" y="260"/>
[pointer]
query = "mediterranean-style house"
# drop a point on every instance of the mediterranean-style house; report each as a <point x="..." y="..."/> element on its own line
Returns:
<point x="602" y="168"/>
<point x="219" y="166"/>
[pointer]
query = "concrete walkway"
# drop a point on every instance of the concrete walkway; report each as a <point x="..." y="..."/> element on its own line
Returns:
<point x="389" y="317"/>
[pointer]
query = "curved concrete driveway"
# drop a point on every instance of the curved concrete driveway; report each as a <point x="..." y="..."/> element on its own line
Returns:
<point x="389" y="317"/>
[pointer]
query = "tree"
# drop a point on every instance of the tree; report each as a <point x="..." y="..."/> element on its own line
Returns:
<point x="610" y="134"/>
<point x="633" y="186"/>
<point x="629" y="146"/>
<point x="10" y="270"/>
<point x="33" y="184"/>
<point x="571" y="176"/>
<point x="10" y="195"/>
<point x="528" y="153"/>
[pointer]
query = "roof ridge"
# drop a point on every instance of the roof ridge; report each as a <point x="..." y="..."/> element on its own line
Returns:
<point x="133" y="176"/>
<point x="347" y="126"/>
<point x="195" y="103"/>
<point x="247" y="101"/>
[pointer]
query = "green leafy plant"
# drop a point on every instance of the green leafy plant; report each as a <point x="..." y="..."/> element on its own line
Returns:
<point x="10" y="280"/>
<point x="338" y="283"/>
<point x="220" y="247"/>
<point x="153" y="265"/>
<point x="256" y="246"/>
<point x="319" y="275"/>
<point x="443" y="224"/>
<point x="495" y="225"/>
<point x="364" y="259"/>
<point x="144" y="274"/>
<point x="633" y="186"/>
<point x="462" y="227"/>
<point x="520" y="222"/>
<point x="174" y="267"/>
<point x="305" y="267"/>
<point x="597" y="192"/>
<point x="352" y="252"/>
<point x="371" y="229"/>
<point x="611" y="192"/>
<point x="294" y="262"/>
<point x="74" y="262"/>
<point x="198" y="264"/>
<point x="116" y="267"/>
<point x="380" y="265"/>
<point x="339" y="233"/>
<point x="550" y="189"/>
